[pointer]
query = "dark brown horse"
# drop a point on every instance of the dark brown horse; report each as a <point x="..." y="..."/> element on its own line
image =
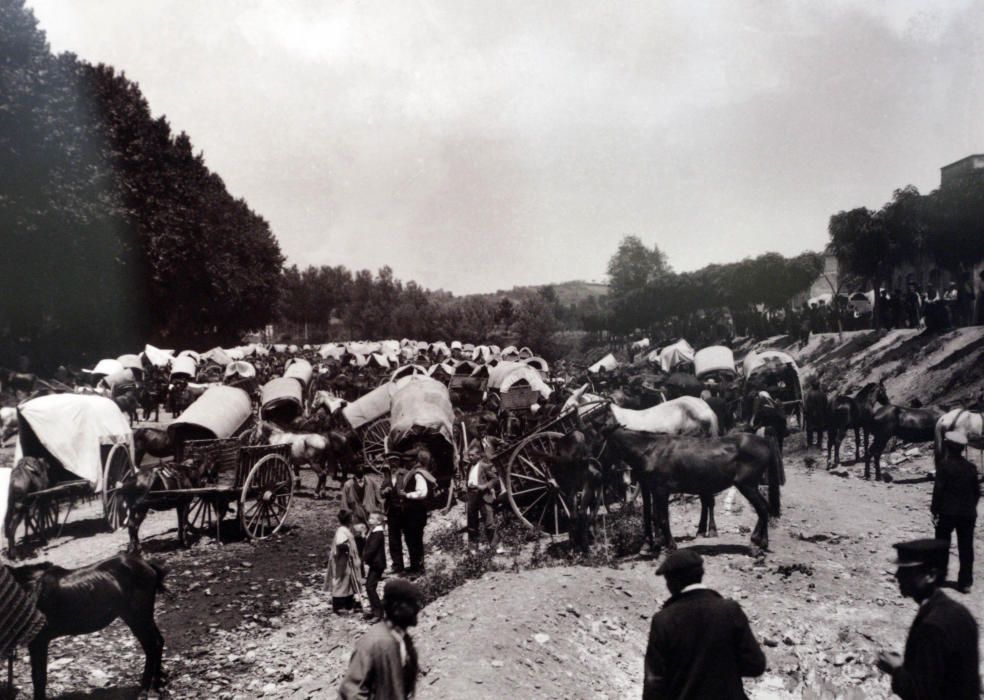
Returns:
<point x="816" y="415"/>
<point x="128" y="403"/>
<point x="665" y="464"/>
<point x="30" y="475"/>
<point x="888" y="421"/>
<point x="852" y="413"/>
<point x="86" y="600"/>
<point x="174" y="476"/>
<point x="155" y="442"/>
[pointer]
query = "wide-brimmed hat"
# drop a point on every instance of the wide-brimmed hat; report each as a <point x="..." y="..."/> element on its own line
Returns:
<point x="679" y="560"/>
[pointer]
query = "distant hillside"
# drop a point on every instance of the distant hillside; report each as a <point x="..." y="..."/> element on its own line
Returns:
<point x="567" y="292"/>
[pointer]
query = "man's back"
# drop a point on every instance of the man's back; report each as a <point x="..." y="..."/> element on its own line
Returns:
<point x="700" y="646"/>
<point x="956" y="491"/>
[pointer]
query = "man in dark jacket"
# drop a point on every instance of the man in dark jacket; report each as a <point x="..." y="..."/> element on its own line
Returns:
<point x="700" y="644"/>
<point x="941" y="658"/>
<point x="954" y="505"/>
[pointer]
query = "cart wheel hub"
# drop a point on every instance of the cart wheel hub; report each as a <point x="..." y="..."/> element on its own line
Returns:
<point x="267" y="496"/>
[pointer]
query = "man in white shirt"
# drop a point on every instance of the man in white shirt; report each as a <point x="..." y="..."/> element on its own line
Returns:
<point x="481" y="495"/>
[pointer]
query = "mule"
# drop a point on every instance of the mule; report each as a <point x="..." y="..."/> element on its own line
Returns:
<point x="769" y="415"/>
<point x="156" y="442"/>
<point x="665" y="464"/>
<point x="128" y="404"/>
<point x="852" y="413"/>
<point x="88" y="599"/>
<point x="331" y="452"/>
<point x="136" y="488"/>
<point x="29" y="475"/>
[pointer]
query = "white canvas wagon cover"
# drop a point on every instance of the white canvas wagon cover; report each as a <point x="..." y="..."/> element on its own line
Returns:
<point x="608" y="362"/>
<point x="73" y="428"/>
<point x="754" y="361"/>
<point x="299" y="369"/>
<point x="156" y="356"/>
<point x="281" y="389"/>
<point x="368" y="407"/>
<point x="676" y="354"/>
<point x="240" y="368"/>
<point x="422" y="403"/>
<point x="184" y="365"/>
<point x="107" y="367"/>
<point x="220" y="411"/>
<point x="716" y="358"/>
<point x="525" y="373"/>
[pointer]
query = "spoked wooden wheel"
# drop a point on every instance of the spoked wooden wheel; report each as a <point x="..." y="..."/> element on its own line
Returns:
<point x="118" y="467"/>
<point x="536" y="496"/>
<point x="202" y="515"/>
<point x="374" y="439"/>
<point x="266" y="497"/>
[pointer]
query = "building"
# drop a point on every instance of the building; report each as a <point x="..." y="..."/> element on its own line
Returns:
<point x="828" y="279"/>
<point x="954" y="172"/>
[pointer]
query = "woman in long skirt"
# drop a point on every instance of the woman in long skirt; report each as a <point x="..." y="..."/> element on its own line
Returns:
<point x="344" y="574"/>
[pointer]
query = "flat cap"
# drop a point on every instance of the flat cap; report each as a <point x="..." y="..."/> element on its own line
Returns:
<point x="921" y="552"/>
<point x="401" y="589"/>
<point x="679" y="560"/>
<point x="957" y="437"/>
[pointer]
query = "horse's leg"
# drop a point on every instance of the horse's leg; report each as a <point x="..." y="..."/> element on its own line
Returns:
<point x="141" y="623"/>
<point x="38" y="650"/>
<point x="760" y="535"/>
<point x="878" y="445"/>
<point x="663" y="513"/>
<point x="709" y="527"/>
<point x="135" y="519"/>
<point x="647" y="514"/>
<point x="858" y="442"/>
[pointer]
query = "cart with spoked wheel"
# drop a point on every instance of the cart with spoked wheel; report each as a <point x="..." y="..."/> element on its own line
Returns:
<point x="87" y="444"/>
<point x="258" y="479"/>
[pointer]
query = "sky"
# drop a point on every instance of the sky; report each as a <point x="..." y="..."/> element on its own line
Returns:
<point x="473" y="146"/>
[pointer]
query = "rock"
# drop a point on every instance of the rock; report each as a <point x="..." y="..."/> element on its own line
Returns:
<point x="541" y="638"/>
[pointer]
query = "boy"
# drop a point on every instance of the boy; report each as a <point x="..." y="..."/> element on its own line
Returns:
<point x="374" y="557"/>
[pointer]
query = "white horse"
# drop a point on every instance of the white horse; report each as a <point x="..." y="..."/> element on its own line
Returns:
<point x="682" y="416"/>
<point x="971" y="423"/>
<point x="328" y="401"/>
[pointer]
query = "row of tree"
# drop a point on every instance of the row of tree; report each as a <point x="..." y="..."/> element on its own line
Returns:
<point x="646" y="293"/>
<point x="114" y="230"/>
<point x="942" y="230"/>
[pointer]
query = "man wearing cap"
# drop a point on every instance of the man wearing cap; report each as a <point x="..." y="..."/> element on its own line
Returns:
<point x="700" y="644"/>
<point x="384" y="664"/>
<point x="941" y="658"/>
<point x="954" y="506"/>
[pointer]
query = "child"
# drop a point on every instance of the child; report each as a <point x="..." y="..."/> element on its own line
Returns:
<point x="375" y="558"/>
<point x="344" y="567"/>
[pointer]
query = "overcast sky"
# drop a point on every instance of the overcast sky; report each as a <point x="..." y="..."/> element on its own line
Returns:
<point x="477" y="145"/>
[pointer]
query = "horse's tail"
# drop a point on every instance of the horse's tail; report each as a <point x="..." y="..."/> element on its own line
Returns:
<point x="775" y="478"/>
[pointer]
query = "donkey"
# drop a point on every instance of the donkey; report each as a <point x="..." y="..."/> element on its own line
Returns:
<point x="88" y="599"/>
<point x="153" y="441"/>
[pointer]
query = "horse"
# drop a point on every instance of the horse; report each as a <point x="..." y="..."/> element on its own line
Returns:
<point x="149" y="402"/>
<point x="681" y="416"/>
<point x="153" y="441"/>
<point x="29" y="475"/>
<point x="816" y="415"/>
<point x="135" y="491"/>
<point x="888" y="421"/>
<point x="332" y="451"/>
<point x="970" y="422"/>
<point x="128" y="403"/>
<point x="665" y="464"/>
<point x="852" y="412"/>
<point x="327" y="402"/>
<point x="88" y="599"/>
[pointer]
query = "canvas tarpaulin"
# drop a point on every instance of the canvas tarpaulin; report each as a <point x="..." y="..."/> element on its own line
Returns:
<point x="716" y="358"/>
<point x="423" y="403"/>
<point x="220" y="412"/>
<point x="72" y="428"/>
<point x="368" y="407"/>
<point x="608" y="362"/>
<point x="679" y="353"/>
<point x="300" y="370"/>
<point x="156" y="356"/>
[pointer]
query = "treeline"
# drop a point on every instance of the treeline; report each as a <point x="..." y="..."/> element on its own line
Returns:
<point x="943" y="230"/>
<point x="647" y="294"/>
<point x="331" y="303"/>
<point x="115" y="232"/>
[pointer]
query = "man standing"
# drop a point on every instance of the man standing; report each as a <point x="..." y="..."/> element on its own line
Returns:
<point x="941" y="650"/>
<point x="481" y="495"/>
<point x="384" y="664"/>
<point x="360" y="497"/>
<point x="395" y="500"/>
<point x="700" y="644"/>
<point x="374" y="558"/>
<point x="954" y="506"/>
<point x="418" y="484"/>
